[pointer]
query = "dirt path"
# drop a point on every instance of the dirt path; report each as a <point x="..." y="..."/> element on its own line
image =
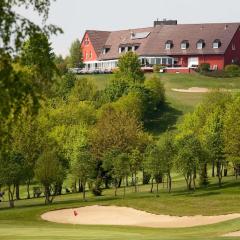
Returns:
<point x="233" y="234"/>
<point x="111" y="215"/>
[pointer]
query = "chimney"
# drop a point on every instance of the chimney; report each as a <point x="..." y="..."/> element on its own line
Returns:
<point x="226" y="27"/>
<point x="165" y="22"/>
<point x="132" y="34"/>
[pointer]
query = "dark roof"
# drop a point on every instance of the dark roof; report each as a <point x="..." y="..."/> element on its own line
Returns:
<point x="154" y="43"/>
<point x="98" y="39"/>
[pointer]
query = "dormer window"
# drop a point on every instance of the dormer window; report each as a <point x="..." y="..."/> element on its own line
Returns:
<point x="200" y="44"/>
<point x="184" y="45"/>
<point x="121" y="49"/>
<point x="106" y="50"/>
<point x="216" y="44"/>
<point x="168" y="45"/>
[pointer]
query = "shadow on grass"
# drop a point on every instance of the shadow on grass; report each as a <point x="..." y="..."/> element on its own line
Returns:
<point x="163" y="119"/>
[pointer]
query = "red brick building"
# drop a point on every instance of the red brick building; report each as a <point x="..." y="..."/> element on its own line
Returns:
<point x="179" y="47"/>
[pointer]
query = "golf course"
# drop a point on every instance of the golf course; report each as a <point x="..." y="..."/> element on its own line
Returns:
<point x="27" y="221"/>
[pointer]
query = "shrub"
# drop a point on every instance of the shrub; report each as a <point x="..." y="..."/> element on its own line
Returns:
<point x="232" y="68"/>
<point x="156" y="68"/>
<point x="204" y="67"/>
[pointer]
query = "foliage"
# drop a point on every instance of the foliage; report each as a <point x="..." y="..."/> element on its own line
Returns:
<point x="231" y="134"/>
<point x="117" y="163"/>
<point x="49" y="170"/>
<point x="129" y="68"/>
<point x="189" y="155"/>
<point x="157" y="90"/>
<point x="76" y="58"/>
<point x="232" y="70"/>
<point x="115" y="130"/>
<point x="83" y="90"/>
<point x="114" y="90"/>
<point x="204" y="67"/>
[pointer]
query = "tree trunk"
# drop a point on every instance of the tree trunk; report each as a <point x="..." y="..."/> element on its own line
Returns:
<point x="169" y="182"/>
<point x="83" y="184"/>
<point x="151" y="186"/>
<point x="11" y="197"/>
<point x="135" y="181"/>
<point x="80" y="186"/>
<point x="17" y="191"/>
<point x="28" y="189"/>
<point x="47" y="195"/>
<point x="124" y="191"/>
<point x="213" y="168"/>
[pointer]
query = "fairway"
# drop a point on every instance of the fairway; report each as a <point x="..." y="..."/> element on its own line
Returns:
<point x="24" y="222"/>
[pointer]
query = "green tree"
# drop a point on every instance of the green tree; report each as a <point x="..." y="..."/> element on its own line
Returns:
<point x="49" y="171"/>
<point x="12" y="170"/>
<point x="167" y="150"/>
<point x="117" y="163"/>
<point x="153" y="164"/>
<point x="82" y="167"/>
<point x="129" y="68"/>
<point x="76" y="58"/>
<point x="189" y="155"/>
<point x="231" y="134"/>
<point x="157" y="90"/>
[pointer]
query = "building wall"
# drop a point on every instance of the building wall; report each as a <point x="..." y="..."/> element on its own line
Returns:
<point x="88" y="51"/>
<point x="213" y="60"/>
<point x="231" y="54"/>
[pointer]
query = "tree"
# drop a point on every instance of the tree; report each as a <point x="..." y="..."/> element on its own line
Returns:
<point x="117" y="163"/>
<point x="11" y="169"/>
<point x="82" y="167"/>
<point x="231" y="134"/>
<point x="14" y="29"/>
<point x="166" y="148"/>
<point x="129" y="68"/>
<point x="157" y="90"/>
<point x="214" y="140"/>
<point x="153" y="164"/>
<point x="135" y="160"/>
<point x="189" y="155"/>
<point x="38" y="56"/>
<point x="49" y="170"/>
<point x="76" y="58"/>
<point x="115" y="130"/>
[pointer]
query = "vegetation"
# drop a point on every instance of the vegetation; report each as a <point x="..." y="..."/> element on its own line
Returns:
<point x="92" y="135"/>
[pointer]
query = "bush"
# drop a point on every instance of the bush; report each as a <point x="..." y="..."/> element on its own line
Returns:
<point x="204" y="67"/>
<point x="156" y="68"/>
<point x="232" y="68"/>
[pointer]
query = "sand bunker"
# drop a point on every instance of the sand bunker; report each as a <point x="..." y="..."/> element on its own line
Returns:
<point x="233" y="234"/>
<point x="111" y="215"/>
<point x="191" y="90"/>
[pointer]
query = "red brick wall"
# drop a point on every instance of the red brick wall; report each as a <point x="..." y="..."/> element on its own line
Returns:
<point x="233" y="54"/>
<point x="87" y="49"/>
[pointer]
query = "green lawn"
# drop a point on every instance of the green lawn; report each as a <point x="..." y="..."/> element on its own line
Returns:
<point x="24" y="221"/>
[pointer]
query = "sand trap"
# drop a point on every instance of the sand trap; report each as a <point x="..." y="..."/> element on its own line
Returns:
<point x="233" y="234"/>
<point x="111" y="215"/>
<point x="191" y="90"/>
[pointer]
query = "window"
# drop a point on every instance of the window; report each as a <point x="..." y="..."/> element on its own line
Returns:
<point x="86" y="55"/>
<point x="136" y="48"/>
<point x="129" y="49"/>
<point x="168" y="45"/>
<point x="200" y="44"/>
<point x="121" y="49"/>
<point x="233" y="47"/>
<point x="184" y="45"/>
<point x="106" y="50"/>
<point x="216" y="44"/>
<point x="86" y="42"/>
<point x="90" y="54"/>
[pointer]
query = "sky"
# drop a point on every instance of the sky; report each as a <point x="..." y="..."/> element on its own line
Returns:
<point x="76" y="16"/>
